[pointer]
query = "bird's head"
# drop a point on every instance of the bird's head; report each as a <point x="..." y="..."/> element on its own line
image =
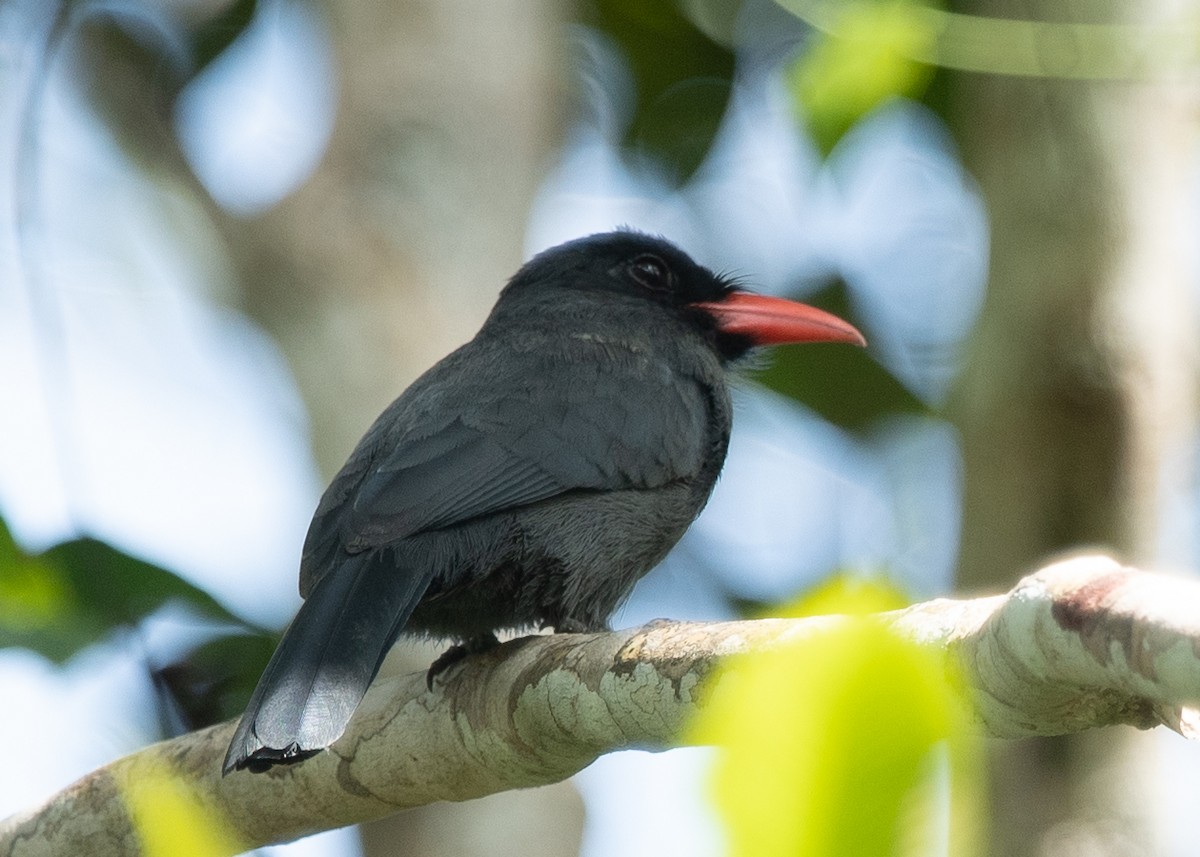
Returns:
<point x="645" y="267"/>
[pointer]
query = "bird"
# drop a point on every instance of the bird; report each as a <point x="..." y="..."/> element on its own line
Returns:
<point x="526" y="481"/>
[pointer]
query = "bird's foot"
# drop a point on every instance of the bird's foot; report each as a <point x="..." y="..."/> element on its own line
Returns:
<point x="265" y="758"/>
<point x="456" y="653"/>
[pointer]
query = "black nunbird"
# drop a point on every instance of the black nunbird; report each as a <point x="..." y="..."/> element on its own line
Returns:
<point x="529" y="479"/>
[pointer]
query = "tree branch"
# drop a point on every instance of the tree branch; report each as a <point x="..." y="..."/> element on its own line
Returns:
<point x="1079" y="644"/>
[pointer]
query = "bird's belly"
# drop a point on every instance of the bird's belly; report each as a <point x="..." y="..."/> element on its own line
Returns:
<point x="567" y="562"/>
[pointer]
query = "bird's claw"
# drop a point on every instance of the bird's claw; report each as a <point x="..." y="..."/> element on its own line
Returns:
<point x="456" y="653"/>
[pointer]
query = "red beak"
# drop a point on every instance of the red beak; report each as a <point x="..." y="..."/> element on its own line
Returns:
<point x="775" y="321"/>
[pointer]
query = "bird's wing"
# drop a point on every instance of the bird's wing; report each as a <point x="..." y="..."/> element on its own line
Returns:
<point x="595" y="428"/>
<point x="432" y="482"/>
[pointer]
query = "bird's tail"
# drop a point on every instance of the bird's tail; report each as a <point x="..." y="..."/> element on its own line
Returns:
<point x="325" y="662"/>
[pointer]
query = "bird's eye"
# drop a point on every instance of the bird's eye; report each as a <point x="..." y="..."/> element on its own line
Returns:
<point x="651" y="272"/>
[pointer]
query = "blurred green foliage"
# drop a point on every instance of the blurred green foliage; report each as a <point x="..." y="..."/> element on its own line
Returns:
<point x="74" y="594"/>
<point x="213" y="35"/>
<point x="213" y="681"/>
<point x="863" y="391"/>
<point x="829" y="744"/>
<point x="77" y="592"/>
<point x="843" y="74"/>
<point x="682" y="79"/>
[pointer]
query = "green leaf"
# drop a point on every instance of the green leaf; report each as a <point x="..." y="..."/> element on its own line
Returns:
<point x="213" y="682"/>
<point x="683" y="80"/>
<point x="75" y="593"/>
<point x="866" y="59"/>
<point x="828" y="744"/>
<point x="213" y="35"/>
<point x="33" y="594"/>
<point x="842" y="383"/>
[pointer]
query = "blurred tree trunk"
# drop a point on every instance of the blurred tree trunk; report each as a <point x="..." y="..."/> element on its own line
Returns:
<point x="393" y="251"/>
<point x="392" y="254"/>
<point x="1077" y="409"/>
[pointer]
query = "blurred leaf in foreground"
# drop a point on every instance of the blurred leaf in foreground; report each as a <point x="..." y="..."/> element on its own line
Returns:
<point x="168" y="817"/>
<point x="837" y="743"/>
